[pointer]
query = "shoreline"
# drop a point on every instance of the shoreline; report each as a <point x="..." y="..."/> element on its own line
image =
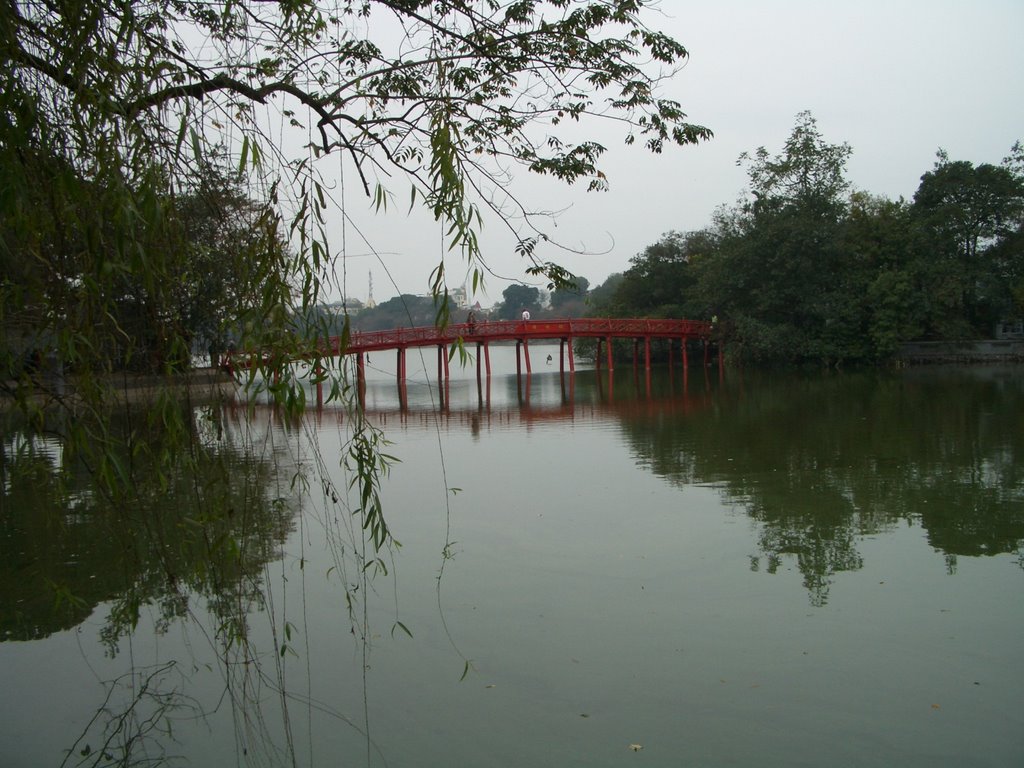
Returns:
<point x="199" y="383"/>
<point x="983" y="351"/>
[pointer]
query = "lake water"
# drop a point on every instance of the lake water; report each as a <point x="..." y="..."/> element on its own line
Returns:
<point x="758" y="570"/>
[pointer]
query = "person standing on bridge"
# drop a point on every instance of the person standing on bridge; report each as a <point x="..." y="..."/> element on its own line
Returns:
<point x="526" y="314"/>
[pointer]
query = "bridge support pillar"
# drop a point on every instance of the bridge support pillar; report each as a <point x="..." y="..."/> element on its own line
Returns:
<point x="647" y="353"/>
<point x="611" y="364"/>
<point x="401" y="366"/>
<point x="442" y="363"/>
<point x="526" y="353"/>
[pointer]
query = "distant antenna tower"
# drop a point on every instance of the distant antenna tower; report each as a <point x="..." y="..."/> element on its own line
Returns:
<point x="370" y="303"/>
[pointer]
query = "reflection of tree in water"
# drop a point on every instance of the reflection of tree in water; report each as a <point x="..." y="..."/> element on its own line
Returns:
<point x="821" y="461"/>
<point x="164" y="539"/>
<point x="152" y="698"/>
<point x="191" y="546"/>
<point x="202" y="530"/>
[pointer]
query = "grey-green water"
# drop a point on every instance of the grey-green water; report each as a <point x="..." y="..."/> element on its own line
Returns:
<point x="767" y="570"/>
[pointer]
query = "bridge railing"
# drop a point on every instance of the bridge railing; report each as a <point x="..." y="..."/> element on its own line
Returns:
<point x="490" y="330"/>
<point x="521" y="329"/>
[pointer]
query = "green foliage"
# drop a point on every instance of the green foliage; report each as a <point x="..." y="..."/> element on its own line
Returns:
<point x="808" y="174"/>
<point x="967" y="214"/>
<point x="769" y="266"/>
<point x="235" y="266"/>
<point x="802" y="271"/>
<point x="660" y="281"/>
<point x="570" y="301"/>
<point x="516" y="298"/>
<point x="405" y="311"/>
<point x="369" y="465"/>
<point x="601" y="297"/>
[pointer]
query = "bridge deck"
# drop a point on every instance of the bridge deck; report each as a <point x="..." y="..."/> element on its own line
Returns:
<point x="521" y="330"/>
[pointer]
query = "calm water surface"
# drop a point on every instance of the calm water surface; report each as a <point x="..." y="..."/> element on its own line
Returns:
<point x="765" y="570"/>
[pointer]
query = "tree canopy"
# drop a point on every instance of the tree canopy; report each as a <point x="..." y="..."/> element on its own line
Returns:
<point x="405" y="311"/>
<point x="803" y="269"/>
<point x="963" y="210"/>
<point x="516" y="298"/>
<point x="570" y="300"/>
<point x="658" y="282"/>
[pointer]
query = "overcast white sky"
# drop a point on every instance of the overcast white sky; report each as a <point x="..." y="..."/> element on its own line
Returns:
<point x="896" y="79"/>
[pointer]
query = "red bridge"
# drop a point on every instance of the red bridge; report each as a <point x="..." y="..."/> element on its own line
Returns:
<point x="482" y="333"/>
<point x="522" y="331"/>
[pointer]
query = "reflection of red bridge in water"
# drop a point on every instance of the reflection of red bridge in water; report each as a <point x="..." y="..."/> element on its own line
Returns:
<point x="526" y="412"/>
<point x="522" y="332"/>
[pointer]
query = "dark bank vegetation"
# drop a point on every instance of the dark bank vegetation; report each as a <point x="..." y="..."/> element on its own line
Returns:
<point x="804" y="269"/>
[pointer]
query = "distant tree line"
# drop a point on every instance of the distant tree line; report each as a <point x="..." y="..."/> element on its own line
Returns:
<point x="564" y="300"/>
<point x="803" y="269"/>
<point x="409" y="311"/>
<point x="405" y="311"/>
